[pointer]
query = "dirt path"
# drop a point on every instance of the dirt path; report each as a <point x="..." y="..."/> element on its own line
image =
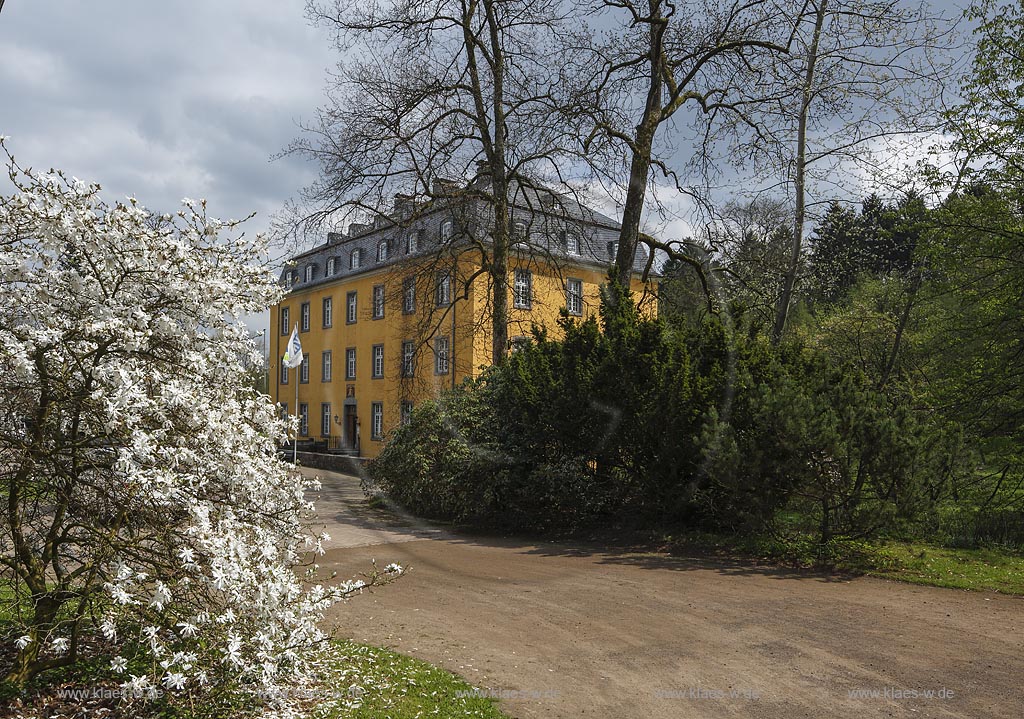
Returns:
<point x="582" y="631"/>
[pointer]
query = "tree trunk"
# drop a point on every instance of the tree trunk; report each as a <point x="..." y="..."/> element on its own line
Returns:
<point x="799" y="180"/>
<point x="499" y="189"/>
<point x="499" y="280"/>
<point x="27" y="663"/>
<point x="897" y="341"/>
<point x="640" y="165"/>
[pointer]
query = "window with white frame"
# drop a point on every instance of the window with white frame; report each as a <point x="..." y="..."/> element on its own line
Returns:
<point x="355" y="258"/>
<point x="520" y="234"/>
<point x="328" y="311"/>
<point x="444" y="289"/>
<point x="376" y="420"/>
<point x="304" y="317"/>
<point x="331" y="266"/>
<point x="284" y="410"/>
<point x="412" y="244"/>
<point x="409" y="295"/>
<point x="447" y="229"/>
<point x="574" y="296"/>
<point x="441" y="355"/>
<point x="351" y="308"/>
<point x="378" y="302"/>
<point x="377" y="365"/>
<point x="304" y="419"/>
<point x="522" y="288"/>
<point x="325" y="419"/>
<point x="326" y="361"/>
<point x="350" y="363"/>
<point x="289" y="279"/>
<point x="382" y="251"/>
<point x="309" y="273"/>
<point x="613" y="250"/>
<point x="408" y="358"/>
<point x="285" y="320"/>
<point x="304" y="369"/>
<point x="406" y="412"/>
<point x="284" y="373"/>
<point x="572" y="243"/>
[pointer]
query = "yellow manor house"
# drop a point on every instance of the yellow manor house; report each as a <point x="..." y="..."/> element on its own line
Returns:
<point x="393" y="312"/>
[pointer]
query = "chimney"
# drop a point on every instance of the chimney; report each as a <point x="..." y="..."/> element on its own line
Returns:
<point x="443" y="187"/>
<point x="404" y="206"/>
<point x="334" y="238"/>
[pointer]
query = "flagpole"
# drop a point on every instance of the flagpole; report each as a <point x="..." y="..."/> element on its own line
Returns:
<point x="289" y="361"/>
<point x="295" y="445"/>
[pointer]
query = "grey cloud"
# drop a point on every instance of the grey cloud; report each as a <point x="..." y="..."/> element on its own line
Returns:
<point x="164" y="100"/>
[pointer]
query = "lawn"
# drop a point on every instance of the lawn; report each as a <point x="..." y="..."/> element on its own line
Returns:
<point x="977" y="569"/>
<point x="357" y="681"/>
<point x="991" y="569"/>
<point x="375" y="683"/>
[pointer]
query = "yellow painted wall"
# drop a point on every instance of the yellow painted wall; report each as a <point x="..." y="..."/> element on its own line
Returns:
<point x="472" y="345"/>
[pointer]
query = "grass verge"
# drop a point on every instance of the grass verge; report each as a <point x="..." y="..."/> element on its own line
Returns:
<point x="357" y="681"/>
<point x="375" y="683"/>
<point x="976" y="569"/>
<point x="992" y="569"/>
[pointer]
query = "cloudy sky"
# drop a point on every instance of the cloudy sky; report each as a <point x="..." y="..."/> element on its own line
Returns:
<point x="164" y="100"/>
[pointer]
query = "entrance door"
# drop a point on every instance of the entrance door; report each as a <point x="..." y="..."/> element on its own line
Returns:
<point x="350" y="426"/>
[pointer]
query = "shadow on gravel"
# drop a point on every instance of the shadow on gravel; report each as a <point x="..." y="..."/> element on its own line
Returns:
<point x="342" y="502"/>
<point x="645" y="555"/>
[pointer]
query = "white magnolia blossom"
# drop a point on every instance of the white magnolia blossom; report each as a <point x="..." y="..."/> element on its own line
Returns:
<point x="128" y="325"/>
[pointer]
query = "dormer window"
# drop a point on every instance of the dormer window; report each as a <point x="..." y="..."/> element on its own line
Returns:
<point x="571" y="242"/>
<point x="382" y="251"/>
<point x="446" y="230"/>
<point x="288" y="280"/>
<point x="330" y="266"/>
<point x="309" y="274"/>
<point x="613" y="250"/>
<point x="412" y="242"/>
<point x="355" y="259"/>
<point x="520" y="234"/>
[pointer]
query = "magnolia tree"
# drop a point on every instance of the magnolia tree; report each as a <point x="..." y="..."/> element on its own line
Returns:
<point x="144" y="506"/>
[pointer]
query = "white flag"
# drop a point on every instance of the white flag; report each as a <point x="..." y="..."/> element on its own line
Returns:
<point x="293" y="354"/>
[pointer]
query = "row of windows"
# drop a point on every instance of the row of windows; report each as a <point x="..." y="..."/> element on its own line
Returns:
<point x="522" y="298"/>
<point x="442" y="297"/>
<point x="376" y="418"/>
<point x="413" y="241"/>
<point x="442" y="350"/>
<point x="570" y="243"/>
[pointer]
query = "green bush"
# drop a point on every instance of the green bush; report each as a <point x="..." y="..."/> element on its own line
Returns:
<point x="637" y="424"/>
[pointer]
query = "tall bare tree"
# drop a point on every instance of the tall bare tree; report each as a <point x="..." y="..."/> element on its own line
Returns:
<point x="443" y="102"/>
<point x="862" y="77"/>
<point x="635" y="80"/>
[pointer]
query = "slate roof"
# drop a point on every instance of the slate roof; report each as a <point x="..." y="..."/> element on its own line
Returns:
<point x="596" y="233"/>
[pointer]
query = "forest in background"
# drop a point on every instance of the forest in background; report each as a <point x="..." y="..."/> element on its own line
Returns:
<point x="858" y="383"/>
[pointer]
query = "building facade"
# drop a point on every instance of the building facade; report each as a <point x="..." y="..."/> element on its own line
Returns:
<point x="393" y="312"/>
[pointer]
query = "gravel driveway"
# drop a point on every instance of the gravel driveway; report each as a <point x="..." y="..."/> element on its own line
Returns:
<point x="573" y="630"/>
